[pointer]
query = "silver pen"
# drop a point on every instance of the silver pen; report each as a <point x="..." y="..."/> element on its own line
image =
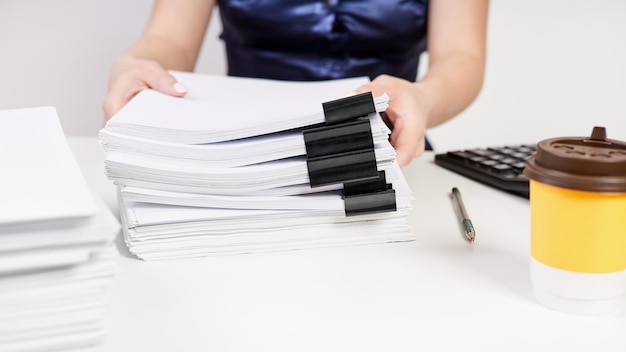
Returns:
<point x="466" y="223"/>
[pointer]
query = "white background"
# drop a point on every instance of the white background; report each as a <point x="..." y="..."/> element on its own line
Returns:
<point x="555" y="67"/>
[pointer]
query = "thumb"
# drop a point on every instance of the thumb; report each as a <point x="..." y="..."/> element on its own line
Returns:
<point x="127" y="87"/>
<point x="373" y="87"/>
<point x="165" y="83"/>
<point x="364" y="88"/>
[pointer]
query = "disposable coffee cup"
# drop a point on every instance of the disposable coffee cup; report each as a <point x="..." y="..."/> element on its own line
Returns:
<point x="578" y="223"/>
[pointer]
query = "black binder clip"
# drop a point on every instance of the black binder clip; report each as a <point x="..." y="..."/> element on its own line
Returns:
<point x="377" y="184"/>
<point x="340" y="153"/>
<point x="369" y="196"/>
<point x="343" y="149"/>
<point x="349" y="108"/>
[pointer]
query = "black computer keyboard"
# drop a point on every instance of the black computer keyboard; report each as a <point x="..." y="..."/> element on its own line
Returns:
<point x="499" y="167"/>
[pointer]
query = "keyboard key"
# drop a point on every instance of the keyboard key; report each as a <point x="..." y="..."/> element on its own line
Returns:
<point x="508" y="160"/>
<point x="477" y="159"/>
<point x="461" y="155"/>
<point x="481" y="152"/>
<point x="519" y="155"/>
<point x="489" y="162"/>
<point x="502" y="167"/>
<point x="519" y="165"/>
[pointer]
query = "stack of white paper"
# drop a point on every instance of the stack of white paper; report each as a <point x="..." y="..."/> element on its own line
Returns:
<point x="56" y="239"/>
<point x="224" y="170"/>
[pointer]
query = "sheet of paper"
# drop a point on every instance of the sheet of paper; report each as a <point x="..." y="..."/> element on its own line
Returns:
<point x="56" y="309"/>
<point x="196" y="243"/>
<point x="331" y="200"/>
<point x="220" y="108"/>
<point x="22" y="261"/>
<point x="171" y="171"/>
<point x="40" y="180"/>
<point x="97" y="230"/>
<point x="240" y="152"/>
<point x="154" y="231"/>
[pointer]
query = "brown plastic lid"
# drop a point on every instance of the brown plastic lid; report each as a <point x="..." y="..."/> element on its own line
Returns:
<point x="594" y="164"/>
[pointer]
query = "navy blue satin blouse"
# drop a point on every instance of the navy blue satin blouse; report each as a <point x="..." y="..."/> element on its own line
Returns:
<point x="305" y="40"/>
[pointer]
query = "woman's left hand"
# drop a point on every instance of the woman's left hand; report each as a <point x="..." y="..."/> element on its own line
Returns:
<point x="407" y="114"/>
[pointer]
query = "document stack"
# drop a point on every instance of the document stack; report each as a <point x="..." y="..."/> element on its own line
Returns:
<point x="56" y="251"/>
<point x="243" y="165"/>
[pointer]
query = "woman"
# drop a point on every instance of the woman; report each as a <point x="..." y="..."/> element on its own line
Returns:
<point x="316" y="40"/>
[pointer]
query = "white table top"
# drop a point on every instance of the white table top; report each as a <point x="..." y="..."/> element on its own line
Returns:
<point x="438" y="293"/>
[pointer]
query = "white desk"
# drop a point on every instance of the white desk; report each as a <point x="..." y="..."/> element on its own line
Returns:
<point x="436" y="294"/>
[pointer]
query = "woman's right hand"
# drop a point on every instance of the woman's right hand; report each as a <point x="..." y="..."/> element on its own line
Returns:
<point x="129" y="76"/>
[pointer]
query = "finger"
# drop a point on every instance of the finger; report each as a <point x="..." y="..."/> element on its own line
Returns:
<point x="407" y="149"/>
<point x="124" y="89"/>
<point x="155" y="77"/>
<point x="150" y="75"/>
<point x="371" y="87"/>
<point x="380" y="85"/>
<point x="364" y="88"/>
<point x="405" y="138"/>
<point x="408" y="146"/>
<point x="386" y="120"/>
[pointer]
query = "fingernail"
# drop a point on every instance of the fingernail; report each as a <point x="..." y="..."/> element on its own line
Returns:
<point x="180" y="88"/>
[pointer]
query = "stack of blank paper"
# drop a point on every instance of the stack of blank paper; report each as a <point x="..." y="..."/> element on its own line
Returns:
<point x="56" y="251"/>
<point x="244" y="165"/>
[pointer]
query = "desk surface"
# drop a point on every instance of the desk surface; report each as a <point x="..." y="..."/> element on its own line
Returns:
<point x="437" y="293"/>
